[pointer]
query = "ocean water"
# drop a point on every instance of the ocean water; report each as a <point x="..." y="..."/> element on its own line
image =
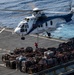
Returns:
<point x="11" y="19"/>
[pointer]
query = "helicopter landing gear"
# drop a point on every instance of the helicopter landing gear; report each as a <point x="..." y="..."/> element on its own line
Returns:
<point x="49" y="34"/>
<point x="22" y="38"/>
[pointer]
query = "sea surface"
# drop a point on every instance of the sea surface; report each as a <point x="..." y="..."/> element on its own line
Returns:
<point x="11" y="19"/>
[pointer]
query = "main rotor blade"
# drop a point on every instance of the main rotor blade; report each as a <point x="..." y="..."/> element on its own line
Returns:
<point x="22" y="10"/>
<point x="54" y="12"/>
<point x="15" y="10"/>
<point x="20" y="15"/>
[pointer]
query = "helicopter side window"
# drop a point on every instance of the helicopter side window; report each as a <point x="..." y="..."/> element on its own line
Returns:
<point x="51" y="23"/>
<point x="46" y="24"/>
<point x="40" y="26"/>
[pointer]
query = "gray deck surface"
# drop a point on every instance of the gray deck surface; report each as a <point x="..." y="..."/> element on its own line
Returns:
<point x="9" y="42"/>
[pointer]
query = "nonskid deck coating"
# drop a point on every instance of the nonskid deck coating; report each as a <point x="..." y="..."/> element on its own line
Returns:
<point x="9" y="42"/>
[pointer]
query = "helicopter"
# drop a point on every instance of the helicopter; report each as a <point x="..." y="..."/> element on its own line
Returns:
<point x="39" y="22"/>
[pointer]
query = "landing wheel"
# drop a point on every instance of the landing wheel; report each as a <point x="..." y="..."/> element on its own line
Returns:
<point x="49" y="34"/>
<point x="22" y="38"/>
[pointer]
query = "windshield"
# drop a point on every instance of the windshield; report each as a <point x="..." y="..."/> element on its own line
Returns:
<point x="23" y="25"/>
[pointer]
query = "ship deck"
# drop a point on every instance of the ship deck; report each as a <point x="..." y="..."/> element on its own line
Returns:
<point x="9" y="42"/>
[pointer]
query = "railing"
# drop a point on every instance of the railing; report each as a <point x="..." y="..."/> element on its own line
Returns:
<point x="54" y="69"/>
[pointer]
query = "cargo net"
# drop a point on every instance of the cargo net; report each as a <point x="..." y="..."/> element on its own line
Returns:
<point x="34" y="61"/>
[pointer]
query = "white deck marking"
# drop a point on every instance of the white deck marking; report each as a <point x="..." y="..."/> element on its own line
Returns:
<point x="58" y="40"/>
<point x="4" y="50"/>
<point x="2" y="30"/>
<point x="9" y="30"/>
<point x="3" y="65"/>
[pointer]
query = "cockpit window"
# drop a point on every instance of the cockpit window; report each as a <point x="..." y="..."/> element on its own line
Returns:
<point x="24" y="25"/>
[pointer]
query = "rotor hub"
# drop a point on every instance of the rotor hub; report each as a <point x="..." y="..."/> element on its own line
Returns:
<point x="36" y="9"/>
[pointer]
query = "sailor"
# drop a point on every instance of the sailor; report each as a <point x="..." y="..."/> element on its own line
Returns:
<point x="36" y="44"/>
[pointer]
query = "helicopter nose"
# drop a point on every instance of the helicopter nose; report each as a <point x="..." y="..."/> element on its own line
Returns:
<point x="20" y="31"/>
<point x="17" y="30"/>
